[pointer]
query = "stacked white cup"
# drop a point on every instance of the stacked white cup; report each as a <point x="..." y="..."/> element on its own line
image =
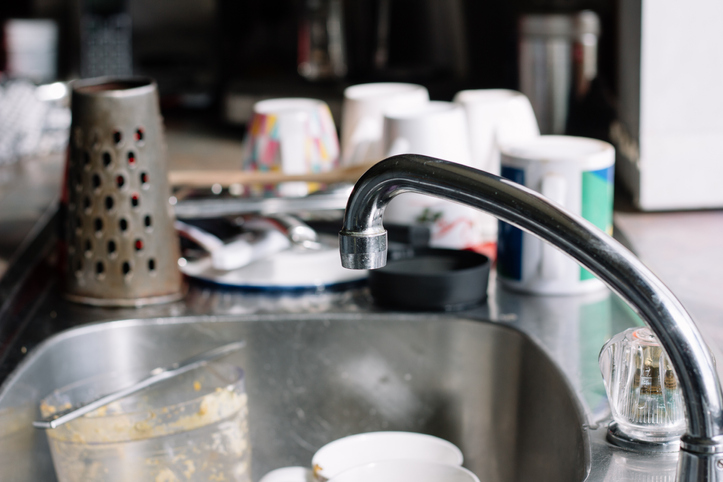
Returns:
<point x="436" y="129"/>
<point x="385" y="119"/>
<point x="363" y="117"/>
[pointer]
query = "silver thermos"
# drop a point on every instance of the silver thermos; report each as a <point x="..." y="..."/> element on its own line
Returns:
<point x="557" y="63"/>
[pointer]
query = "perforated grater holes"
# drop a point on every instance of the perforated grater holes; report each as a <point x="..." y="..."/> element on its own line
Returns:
<point x="78" y="266"/>
<point x="126" y="269"/>
<point x="100" y="270"/>
<point x="98" y="226"/>
<point x="138" y="245"/>
<point x="87" y="205"/>
<point x="148" y="222"/>
<point x="95" y="181"/>
<point x="120" y="181"/>
<point x="143" y="177"/>
<point x="152" y="265"/>
<point x="123" y="225"/>
<point x="112" y="249"/>
<point x="135" y="200"/>
<point x="107" y="159"/>
<point x="140" y="135"/>
<point x="132" y="159"/>
<point x="109" y="203"/>
<point x="88" y="248"/>
<point x="117" y="137"/>
<point x="86" y="160"/>
<point x="78" y="181"/>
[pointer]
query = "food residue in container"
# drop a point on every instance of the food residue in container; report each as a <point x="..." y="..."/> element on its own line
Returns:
<point x="190" y="468"/>
<point x="153" y="444"/>
<point x="166" y="475"/>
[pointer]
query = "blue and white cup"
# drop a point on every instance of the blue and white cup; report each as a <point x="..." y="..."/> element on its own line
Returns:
<point x="576" y="173"/>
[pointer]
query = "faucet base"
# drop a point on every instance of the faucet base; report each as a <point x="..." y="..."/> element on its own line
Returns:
<point x="616" y="437"/>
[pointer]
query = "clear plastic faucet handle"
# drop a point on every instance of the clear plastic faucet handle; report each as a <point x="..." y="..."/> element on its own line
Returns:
<point x="642" y="387"/>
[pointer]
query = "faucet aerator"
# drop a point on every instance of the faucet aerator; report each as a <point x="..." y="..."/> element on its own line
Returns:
<point x="363" y="251"/>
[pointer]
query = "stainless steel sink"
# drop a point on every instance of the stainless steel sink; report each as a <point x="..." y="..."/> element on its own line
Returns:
<point x="311" y="379"/>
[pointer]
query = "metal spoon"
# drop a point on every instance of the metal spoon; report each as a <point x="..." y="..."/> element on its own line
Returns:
<point x="156" y="375"/>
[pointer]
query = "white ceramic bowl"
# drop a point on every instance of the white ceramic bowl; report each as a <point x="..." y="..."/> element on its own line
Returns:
<point x="289" y="474"/>
<point x="356" y="450"/>
<point x="406" y="471"/>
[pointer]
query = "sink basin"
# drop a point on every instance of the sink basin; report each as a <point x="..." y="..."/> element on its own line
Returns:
<point x="311" y="379"/>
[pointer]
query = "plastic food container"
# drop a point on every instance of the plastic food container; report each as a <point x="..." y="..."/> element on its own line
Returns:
<point x="432" y="279"/>
<point x="191" y="427"/>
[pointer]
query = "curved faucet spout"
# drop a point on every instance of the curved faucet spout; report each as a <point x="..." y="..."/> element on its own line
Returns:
<point x="363" y="245"/>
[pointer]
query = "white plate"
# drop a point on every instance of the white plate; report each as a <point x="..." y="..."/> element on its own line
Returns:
<point x="295" y="268"/>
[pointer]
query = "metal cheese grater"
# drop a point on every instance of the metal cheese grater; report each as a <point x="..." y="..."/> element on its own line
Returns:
<point x="122" y="249"/>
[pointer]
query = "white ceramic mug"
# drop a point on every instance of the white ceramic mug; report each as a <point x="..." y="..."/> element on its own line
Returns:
<point x="577" y="174"/>
<point x="293" y="136"/>
<point x="363" y="116"/>
<point x="406" y="471"/>
<point x="494" y="117"/>
<point x="360" y="449"/>
<point x="436" y="129"/>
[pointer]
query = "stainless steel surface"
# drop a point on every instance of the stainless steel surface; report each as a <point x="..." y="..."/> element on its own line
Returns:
<point x="570" y="330"/>
<point x="121" y="245"/>
<point x="599" y="253"/>
<point x="155" y="376"/>
<point x="314" y="378"/>
<point x="27" y="189"/>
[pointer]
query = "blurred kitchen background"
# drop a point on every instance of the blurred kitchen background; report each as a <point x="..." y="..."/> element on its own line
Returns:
<point x="641" y="75"/>
<point x="218" y="57"/>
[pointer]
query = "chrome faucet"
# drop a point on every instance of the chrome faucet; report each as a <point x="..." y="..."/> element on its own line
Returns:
<point x="363" y="245"/>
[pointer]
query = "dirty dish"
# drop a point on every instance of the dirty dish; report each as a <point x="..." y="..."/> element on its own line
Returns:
<point x="194" y="426"/>
<point x="157" y="375"/>
<point x="297" y="269"/>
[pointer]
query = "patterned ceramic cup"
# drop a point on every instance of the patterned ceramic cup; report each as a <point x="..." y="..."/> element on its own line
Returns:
<point x="293" y="136"/>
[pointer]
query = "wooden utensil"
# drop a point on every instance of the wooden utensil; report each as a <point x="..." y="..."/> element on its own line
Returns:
<point x="203" y="178"/>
